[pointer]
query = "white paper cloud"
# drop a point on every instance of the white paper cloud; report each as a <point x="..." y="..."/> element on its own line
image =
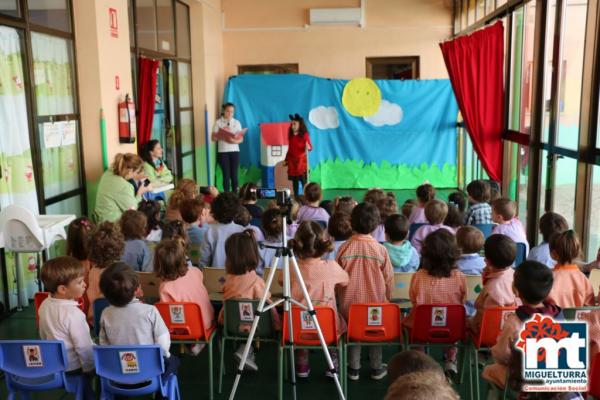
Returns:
<point x="388" y="114"/>
<point x="324" y="117"/>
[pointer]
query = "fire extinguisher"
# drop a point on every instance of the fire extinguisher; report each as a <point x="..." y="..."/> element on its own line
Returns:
<point x="127" y="125"/>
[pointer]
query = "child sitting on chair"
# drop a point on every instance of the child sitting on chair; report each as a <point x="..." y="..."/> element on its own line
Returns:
<point x="59" y="315"/>
<point x="479" y="211"/>
<point x="127" y="321"/>
<point x="571" y="287"/>
<point x="194" y="213"/>
<point x="438" y="281"/>
<point x="425" y="193"/>
<point x="403" y="255"/>
<point x="470" y="241"/>
<point x="241" y="281"/>
<point x="550" y="223"/>
<point x="243" y="219"/>
<point x="500" y="254"/>
<point x="321" y="277"/>
<point x="387" y="206"/>
<point x="435" y="212"/>
<point x="532" y="284"/>
<point x="136" y="254"/>
<point x="371" y="280"/>
<point x="340" y="230"/>
<point x="504" y="213"/>
<point x="181" y="283"/>
<point x="272" y="225"/>
<point x="311" y="211"/>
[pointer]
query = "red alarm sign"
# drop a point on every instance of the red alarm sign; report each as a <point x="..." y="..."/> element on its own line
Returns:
<point x="114" y="25"/>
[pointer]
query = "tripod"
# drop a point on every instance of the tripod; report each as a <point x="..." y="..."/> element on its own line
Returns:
<point x="287" y="301"/>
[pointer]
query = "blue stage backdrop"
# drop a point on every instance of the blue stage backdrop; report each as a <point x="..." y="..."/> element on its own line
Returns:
<point x="410" y="139"/>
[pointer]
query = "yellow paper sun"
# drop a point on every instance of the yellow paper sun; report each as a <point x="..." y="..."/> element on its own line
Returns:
<point x="361" y="97"/>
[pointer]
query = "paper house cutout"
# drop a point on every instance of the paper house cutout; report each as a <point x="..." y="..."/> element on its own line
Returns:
<point x="273" y="148"/>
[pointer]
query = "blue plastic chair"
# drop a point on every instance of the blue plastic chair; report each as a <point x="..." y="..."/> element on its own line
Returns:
<point x="521" y="253"/>
<point x="46" y="370"/>
<point x="257" y="222"/>
<point x="412" y="229"/>
<point x="322" y="223"/>
<point x="133" y="371"/>
<point x="486" y="229"/>
<point x="99" y="305"/>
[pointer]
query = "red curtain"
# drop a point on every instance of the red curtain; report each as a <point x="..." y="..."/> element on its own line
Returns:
<point x="475" y="64"/>
<point x="148" y="72"/>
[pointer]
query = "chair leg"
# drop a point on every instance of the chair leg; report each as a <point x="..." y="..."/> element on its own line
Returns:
<point x="476" y="364"/>
<point x="470" y="367"/>
<point x="221" y="365"/>
<point x="210" y="369"/>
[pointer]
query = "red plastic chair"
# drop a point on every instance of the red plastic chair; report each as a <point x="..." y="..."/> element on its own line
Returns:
<point x="306" y="336"/>
<point x="184" y="321"/>
<point x="491" y="326"/>
<point x="39" y="298"/>
<point x="373" y="324"/>
<point x="594" y="378"/>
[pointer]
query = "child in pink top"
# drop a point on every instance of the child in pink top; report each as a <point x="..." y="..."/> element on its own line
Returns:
<point x="571" y="287"/>
<point x="371" y="279"/>
<point x="181" y="283"/>
<point x="504" y="213"/>
<point x="321" y="277"/>
<point x="425" y="193"/>
<point x="107" y="244"/>
<point x="311" y="210"/>
<point x="438" y="281"/>
<point x="500" y="254"/>
<point x="242" y="282"/>
<point x="436" y="212"/>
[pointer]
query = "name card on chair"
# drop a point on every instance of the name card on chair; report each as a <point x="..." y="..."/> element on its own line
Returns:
<point x="129" y="362"/>
<point x="33" y="356"/>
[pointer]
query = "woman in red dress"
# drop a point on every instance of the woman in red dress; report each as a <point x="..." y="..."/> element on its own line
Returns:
<point x="295" y="159"/>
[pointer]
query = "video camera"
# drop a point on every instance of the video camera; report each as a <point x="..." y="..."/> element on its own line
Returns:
<point x="282" y="197"/>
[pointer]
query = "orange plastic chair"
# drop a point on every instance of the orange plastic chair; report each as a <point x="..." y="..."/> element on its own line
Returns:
<point x="306" y="337"/>
<point x="184" y="321"/>
<point x="594" y="378"/>
<point x="373" y="324"/>
<point x="439" y="325"/>
<point x="491" y="326"/>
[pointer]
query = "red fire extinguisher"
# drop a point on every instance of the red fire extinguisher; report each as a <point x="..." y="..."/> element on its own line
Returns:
<point x="127" y="125"/>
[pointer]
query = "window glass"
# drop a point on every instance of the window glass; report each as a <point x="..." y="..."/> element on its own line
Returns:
<point x="185" y="85"/>
<point x="166" y="26"/>
<point x="464" y="6"/>
<point x="10" y="8"/>
<point x="187" y="163"/>
<point x="490" y="5"/>
<point x="187" y="140"/>
<point x="523" y="165"/>
<point x="71" y="205"/>
<point x="594" y="217"/>
<point x="53" y="74"/>
<point x="480" y="9"/>
<point x="471" y="12"/>
<point x="60" y="156"/>
<point x="548" y="70"/>
<point x="543" y="182"/>
<point x="182" y="14"/>
<point x="571" y="73"/>
<point x="457" y="8"/>
<point x="50" y="13"/>
<point x="563" y="193"/>
<point x="146" y="24"/>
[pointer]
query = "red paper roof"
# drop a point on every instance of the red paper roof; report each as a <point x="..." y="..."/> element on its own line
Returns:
<point x="274" y="133"/>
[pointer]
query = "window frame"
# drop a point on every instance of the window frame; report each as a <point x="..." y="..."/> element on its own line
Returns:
<point x="414" y="61"/>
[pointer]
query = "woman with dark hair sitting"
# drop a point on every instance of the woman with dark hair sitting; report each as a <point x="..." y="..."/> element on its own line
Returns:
<point x="154" y="166"/>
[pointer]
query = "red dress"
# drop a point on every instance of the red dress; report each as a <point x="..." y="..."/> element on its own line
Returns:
<point x="296" y="154"/>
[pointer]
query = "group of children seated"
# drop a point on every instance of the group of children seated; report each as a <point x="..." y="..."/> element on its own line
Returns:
<point x="347" y="253"/>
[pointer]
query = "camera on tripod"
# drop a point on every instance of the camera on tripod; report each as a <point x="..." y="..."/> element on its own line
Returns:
<point x="282" y="197"/>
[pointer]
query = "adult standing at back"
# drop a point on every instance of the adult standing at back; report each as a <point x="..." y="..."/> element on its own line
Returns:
<point x="228" y="150"/>
<point x="115" y="194"/>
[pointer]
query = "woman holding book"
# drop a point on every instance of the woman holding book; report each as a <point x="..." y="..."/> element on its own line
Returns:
<point x="228" y="134"/>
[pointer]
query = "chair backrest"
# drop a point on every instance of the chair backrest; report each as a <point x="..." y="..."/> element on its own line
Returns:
<point x="492" y="323"/>
<point x="193" y="252"/>
<point x="129" y="364"/>
<point x="594" y="378"/>
<point x="575" y="314"/>
<point x="149" y="283"/>
<point x="412" y="229"/>
<point x="22" y="232"/>
<point x="322" y="223"/>
<point x="402" y="285"/>
<point x="438" y="323"/>
<point x="486" y="229"/>
<point x="276" y="288"/>
<point x="521" y="253"/>
<point x="32" y="358"/>
<point x="374" y="323"/>
<point x="474" y="286"/>
<point x="304" y="331"/>
<point x="38" y="299"/>
<point x="595" y="281"/>
<point x="99" y="305"/>
<point x="238" y="315"/>
<point x="183" y="319"/>
<point x="214" y="278"/>
<point x="257" y="222"/>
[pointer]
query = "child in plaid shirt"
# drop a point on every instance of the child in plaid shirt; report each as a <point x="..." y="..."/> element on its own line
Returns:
<point x="479" y="212"/>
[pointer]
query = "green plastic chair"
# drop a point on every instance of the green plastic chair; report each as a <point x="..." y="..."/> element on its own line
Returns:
<point x="572" y="314"/>
<point x="237" y="328"/>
